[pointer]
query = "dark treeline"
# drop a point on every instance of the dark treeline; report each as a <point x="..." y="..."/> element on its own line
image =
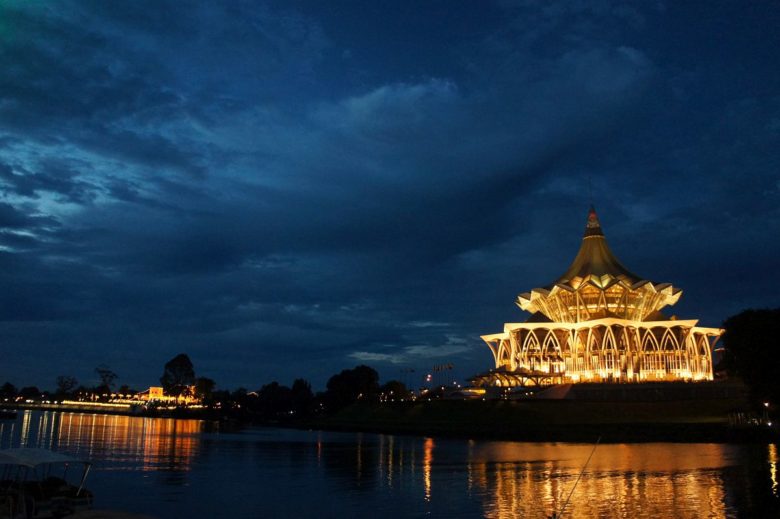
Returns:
<point x="751" y="347"/>
<point x="276" y="402"/>
<point x="178" y="379"/>
<point x="272" y="402"/>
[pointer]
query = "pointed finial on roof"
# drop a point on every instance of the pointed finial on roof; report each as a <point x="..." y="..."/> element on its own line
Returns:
<point x="593" y="227"/>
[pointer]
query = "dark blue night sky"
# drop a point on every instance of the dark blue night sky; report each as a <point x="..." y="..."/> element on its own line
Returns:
<point x="289" y="189"/>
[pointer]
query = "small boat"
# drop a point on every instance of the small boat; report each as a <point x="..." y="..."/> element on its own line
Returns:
<point x="34" y="483"/>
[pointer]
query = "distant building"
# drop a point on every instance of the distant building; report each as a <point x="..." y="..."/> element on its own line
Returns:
<point x="599" y="322"/>
<point x="157" y="394"/>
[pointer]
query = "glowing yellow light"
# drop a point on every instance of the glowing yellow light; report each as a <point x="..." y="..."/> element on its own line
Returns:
<point x="427" y="461"/>
<point x="773" y="467"/>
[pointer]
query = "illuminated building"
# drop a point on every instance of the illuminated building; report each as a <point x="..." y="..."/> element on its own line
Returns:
<point x="599" y="322"/>
<point x="157" y="394"/>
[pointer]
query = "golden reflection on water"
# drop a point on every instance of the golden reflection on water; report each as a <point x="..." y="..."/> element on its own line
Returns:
<point x="26" y="419"/>
<point x="521" y="480"/>
<point x="427" y="462"/>
<point x="510" y="479"/>
<point x="773" y="467"/>
<point x="154" y="442"/>
<point x="387" y="463"/>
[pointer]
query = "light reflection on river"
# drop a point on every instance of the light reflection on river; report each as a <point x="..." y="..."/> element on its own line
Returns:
<point x="188" y="468"/>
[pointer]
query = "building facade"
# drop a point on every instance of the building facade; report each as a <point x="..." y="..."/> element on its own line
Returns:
<point x="599" y="322"/>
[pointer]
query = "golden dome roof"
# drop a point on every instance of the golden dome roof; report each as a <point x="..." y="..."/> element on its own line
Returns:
<point x="595" y="261"/>
<point x="597" y="285"/>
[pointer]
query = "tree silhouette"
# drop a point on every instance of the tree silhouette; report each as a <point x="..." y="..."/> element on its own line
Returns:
<point x="302" y="397"/>
<point x="178" y="375"/>
<point x="204" y="387"/>
<point x="394" y="390"/>
<point x="66" y="384"/>
<point x="750" y="351"/>
<point x="8" y="391"/>
<point x="107" y="377"/>
<point x="31" y="392"/>
<point x="274" y="400"/>
<point x="352" y="385"/>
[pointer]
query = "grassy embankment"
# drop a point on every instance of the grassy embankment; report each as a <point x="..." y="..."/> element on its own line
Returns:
<point x="691" y="420"/>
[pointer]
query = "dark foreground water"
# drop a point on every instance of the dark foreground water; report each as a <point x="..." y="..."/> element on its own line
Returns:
<point x="188" y="468"/>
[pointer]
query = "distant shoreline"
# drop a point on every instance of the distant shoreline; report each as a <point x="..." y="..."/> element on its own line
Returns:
<point x="552" y="421"/>
<point x="615" y="413"/>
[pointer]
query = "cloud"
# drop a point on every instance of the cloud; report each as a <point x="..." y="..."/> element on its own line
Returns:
<point x="366" y="356"/>
<point x="418" y="353"/>
<point x="12" y="218"/>
<point x="50" y="175"/>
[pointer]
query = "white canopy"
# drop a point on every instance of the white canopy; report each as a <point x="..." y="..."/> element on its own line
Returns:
<point x="30" y="457"/>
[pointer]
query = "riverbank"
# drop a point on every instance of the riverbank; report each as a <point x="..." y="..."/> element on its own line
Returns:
<point x="711" y="412"/>
<point x="616" y="413"/>
<point x="546" y="421"/>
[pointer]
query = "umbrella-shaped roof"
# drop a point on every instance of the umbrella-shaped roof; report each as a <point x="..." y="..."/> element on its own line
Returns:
<point x="596" y="269"/>
<point x="595" y="260"/>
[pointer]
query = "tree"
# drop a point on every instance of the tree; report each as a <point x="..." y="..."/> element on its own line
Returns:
<point x="204" y="387"/>
<point x="240" y="398"/>
<point x="178" y="375"/>
<point x="107" y="377"/>
<point x="750" y="351"/>
<point x="66" y="384"/>
<point x="302" y="397"/>
<point x="221" y="398"/>
<point x="8" y="390"/>
<point x="351" y="385"/>
<point x="394" y="390"/>
<point x="274" y="400"/>
<point x="30" y="392"/>
<point x="124" y="389"/>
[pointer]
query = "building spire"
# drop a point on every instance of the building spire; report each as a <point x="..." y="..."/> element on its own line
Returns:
<point x="593" y="227"/>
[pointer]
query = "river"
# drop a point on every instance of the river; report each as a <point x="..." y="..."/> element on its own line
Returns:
<point x="190" y="468"/>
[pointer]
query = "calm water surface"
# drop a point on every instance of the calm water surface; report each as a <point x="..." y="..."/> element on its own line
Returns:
<point x="188" y="468"/>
